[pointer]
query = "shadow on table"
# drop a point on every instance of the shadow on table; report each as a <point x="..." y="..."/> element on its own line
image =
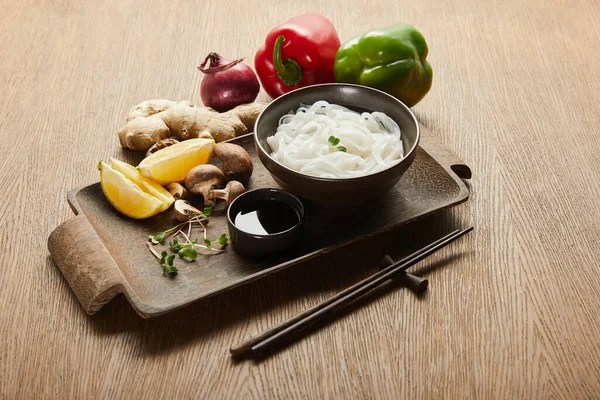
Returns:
<point x="222" y="317"/>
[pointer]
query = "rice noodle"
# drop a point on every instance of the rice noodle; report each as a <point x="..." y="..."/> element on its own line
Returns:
<point x="301" y="142"/>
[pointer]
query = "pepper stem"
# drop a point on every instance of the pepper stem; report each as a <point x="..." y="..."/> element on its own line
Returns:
<point x="288" y="70"/>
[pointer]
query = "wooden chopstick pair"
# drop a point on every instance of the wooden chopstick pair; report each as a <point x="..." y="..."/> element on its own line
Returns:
<point x="262" y="343"/>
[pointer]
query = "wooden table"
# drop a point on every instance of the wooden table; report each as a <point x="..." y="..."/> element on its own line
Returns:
<point x="513" y="309"/>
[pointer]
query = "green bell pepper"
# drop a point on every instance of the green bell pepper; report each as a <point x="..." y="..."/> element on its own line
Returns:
<point x="390" y="59"/>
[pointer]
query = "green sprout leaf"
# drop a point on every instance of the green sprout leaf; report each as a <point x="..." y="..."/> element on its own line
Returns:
<point x="185" y="250"/>
<point x="342" y="148"/>
<point x="333" y="141"/>
<point x="175" y="245"/>
<point x="166" y="262"/>
<point x="189" y="253"/>
<point x="158" y="237"/>
<point x="170" y="269"/>
<point x="222" y="240"/>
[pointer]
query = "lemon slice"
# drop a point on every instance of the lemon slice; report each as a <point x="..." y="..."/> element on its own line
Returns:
<point x="147" y="185"/>
<point x="172" y="163"/>
<point x="126" y="196"/>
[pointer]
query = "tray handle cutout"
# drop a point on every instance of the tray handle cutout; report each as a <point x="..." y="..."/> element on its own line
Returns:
<point x="434" y="146"/>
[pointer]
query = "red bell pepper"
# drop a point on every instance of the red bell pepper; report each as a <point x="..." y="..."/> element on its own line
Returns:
<point x="299" y="53"/>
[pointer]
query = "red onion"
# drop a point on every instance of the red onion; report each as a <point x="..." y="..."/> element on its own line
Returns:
<point x="227" y="83"/>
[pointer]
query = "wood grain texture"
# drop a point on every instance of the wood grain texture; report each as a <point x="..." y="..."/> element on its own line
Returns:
<point x="512" y="310"/>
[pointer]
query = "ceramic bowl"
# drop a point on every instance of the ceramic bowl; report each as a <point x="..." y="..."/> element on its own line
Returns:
<point x="260" y="245"/>
<point x="330" y="192"/>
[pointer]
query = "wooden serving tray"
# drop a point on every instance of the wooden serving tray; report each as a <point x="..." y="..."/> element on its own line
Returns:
<point x="102" y="253"/>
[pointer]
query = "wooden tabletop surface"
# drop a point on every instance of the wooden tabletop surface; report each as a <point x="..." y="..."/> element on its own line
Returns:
<point x="513" y="309"/>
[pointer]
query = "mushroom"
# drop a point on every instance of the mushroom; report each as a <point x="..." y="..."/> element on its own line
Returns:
<point x="231" y="191"/>
<point x="237" y="164"/>
<point x="161" y="144"/>
<point x="202" y="179"/>
<point x="177" y="190"/>
<point x="183" y="210"/>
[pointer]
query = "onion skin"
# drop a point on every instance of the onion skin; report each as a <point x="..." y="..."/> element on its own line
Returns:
<point x="227" y="83"/>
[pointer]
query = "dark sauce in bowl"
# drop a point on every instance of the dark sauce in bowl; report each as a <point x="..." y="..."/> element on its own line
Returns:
<point x="266" y="217"/>
<point x="265" y="221"/>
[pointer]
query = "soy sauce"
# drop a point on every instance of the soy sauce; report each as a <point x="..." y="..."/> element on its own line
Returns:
<point x="266" y="217"/>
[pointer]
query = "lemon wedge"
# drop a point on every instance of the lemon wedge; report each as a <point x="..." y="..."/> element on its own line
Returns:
<point x="172" y="163"/>
<point x="126" y="196"/>
<point x="147" y="185"/>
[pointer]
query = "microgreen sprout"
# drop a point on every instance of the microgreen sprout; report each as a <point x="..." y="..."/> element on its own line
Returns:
<point x="174" y="245"/>
<point x="333" y="144"/>
<point x="222" y="240"/>
<point x="186" y="250"/>
<point x="166" y="262"/>
<point x="160" y="237"/>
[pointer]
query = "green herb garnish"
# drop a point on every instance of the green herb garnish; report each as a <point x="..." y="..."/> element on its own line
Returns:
<point x="158" y="237"/>
<point x="174" y="245"/>
<point x="222" y="240"/>
<point x="189" y="252"/>
<point x="333" y="141"/>
<point x="185" y="251"/>
<point x="166" y="262"/>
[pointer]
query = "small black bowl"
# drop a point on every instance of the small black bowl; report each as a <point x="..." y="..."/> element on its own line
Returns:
<point x="257" y="245"/>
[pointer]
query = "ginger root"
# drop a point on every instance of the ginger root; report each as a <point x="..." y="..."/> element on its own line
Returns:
<point x="155" y="120"/>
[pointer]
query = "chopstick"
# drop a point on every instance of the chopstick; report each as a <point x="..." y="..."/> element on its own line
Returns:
<point x="262" y="342"/>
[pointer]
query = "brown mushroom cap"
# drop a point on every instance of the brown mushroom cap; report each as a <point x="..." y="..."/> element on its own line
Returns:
<point x="202" y="179"/>
<point x="231" y="191"/>
<point x="177" y="190"/>
<point x="237" y="164"/>
<point x="183" y="210"/>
